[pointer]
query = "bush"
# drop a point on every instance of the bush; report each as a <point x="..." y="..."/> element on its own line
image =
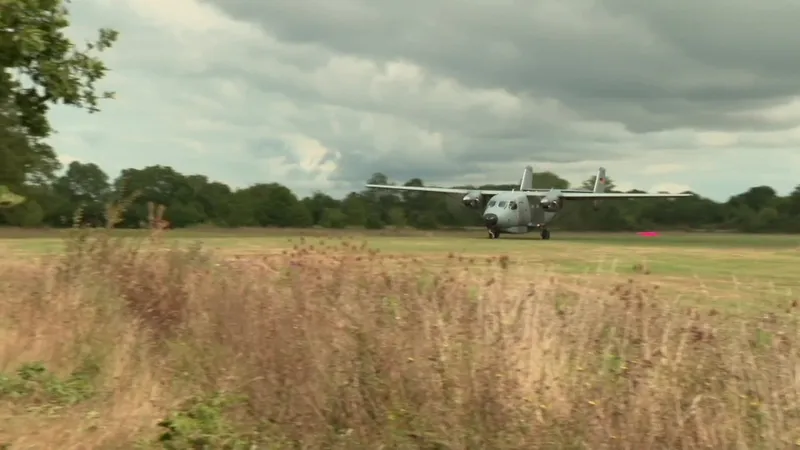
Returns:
<point x="334" y="345"/>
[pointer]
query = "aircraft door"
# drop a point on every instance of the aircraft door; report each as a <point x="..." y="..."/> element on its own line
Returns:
<point x="523" y="211"/>
<point x="516" y="212"/>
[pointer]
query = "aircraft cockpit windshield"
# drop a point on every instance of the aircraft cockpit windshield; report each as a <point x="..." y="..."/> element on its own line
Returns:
<point x="491" y="203"/>
<point x="501" y="205"/>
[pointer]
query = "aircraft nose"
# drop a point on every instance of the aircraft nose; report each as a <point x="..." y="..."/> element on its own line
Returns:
<point x="490" y="220"/>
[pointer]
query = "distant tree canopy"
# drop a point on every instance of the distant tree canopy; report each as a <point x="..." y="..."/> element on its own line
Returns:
<point x="193" y="200"/>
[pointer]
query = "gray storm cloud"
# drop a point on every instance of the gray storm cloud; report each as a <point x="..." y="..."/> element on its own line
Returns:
<point x="649" y="65"/>
<point x="646" y="66"/>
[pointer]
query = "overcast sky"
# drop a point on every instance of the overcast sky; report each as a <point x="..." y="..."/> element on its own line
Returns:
<point x="666" y="94"/>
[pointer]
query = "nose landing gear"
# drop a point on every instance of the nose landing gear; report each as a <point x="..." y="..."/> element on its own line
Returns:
<point x="545" y="234"/>
<point x="493" y="233"/>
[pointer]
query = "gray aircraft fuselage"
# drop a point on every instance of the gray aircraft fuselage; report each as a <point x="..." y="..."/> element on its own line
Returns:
<point x="512" y="212"/>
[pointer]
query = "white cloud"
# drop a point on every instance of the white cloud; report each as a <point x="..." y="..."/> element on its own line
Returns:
<point x="660" y="169"/>
<point x="66" y="159"/>
<point x="322" y="96"/>
<point x="717" y="139"/>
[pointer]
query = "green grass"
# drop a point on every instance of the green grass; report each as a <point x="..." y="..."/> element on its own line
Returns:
<point x="751" y="271"/>
<point x="679" y="254"/>
<point x="699" y="239"/>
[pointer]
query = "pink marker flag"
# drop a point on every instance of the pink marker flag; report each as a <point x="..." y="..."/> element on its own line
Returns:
<point x="648" y="233"/>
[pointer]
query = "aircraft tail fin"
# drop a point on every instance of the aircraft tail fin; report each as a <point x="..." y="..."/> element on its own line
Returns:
<point x="599" y="185"/>
<point x="600" y="181"/>
<point x="526" y="183"/>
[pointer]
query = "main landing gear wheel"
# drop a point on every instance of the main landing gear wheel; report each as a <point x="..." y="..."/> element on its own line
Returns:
<point x="545" y="234"/>
<point x="494" y="234"/>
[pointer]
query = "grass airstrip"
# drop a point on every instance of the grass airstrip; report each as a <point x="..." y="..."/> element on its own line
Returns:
<point x="728" y="271"/>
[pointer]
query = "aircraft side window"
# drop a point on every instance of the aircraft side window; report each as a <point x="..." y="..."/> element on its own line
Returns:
<point x="513" y="205"/>
<point x="491" y="203"/>
<point x="501" y="205"/>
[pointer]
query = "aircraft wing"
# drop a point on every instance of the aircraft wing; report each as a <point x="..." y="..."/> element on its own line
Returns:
<point x="572" y="195"/>
<point x="433" y="189"/>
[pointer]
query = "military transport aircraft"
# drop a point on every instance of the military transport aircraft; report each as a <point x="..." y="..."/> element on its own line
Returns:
<point x="527" y="209"/>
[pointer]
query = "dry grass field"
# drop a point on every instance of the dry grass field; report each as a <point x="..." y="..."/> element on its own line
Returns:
<point x="223" y="340"/>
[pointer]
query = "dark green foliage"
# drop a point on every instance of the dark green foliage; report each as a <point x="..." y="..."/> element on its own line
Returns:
<point x="33" y="44"/>
<point x="194" y="200"/>
<point x="201" y="424"/>
<point x="34" y="382"/>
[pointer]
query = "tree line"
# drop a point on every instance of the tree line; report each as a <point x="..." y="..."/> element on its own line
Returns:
<point x="42" y="67"/>
<point x="194" y="200"/>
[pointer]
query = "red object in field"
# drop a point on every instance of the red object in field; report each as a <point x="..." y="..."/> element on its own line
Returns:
<point x="648" y="233"/>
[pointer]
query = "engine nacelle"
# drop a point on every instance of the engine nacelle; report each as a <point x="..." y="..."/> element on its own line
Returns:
<point x="472" y="200"/>
<point x="552" y="203"/>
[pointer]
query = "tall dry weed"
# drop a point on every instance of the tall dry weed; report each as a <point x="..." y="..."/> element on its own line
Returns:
<point x="335" y="345"/>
